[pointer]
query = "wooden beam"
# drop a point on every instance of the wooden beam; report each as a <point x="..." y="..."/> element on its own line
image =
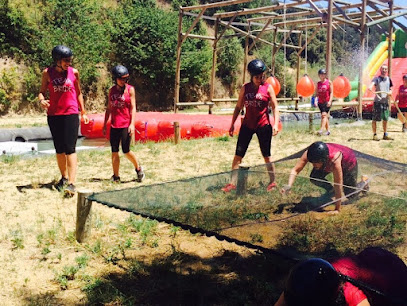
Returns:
<point x="329" y="39"/>
<point x="213" y="5"/>
<point x="362" y="53"/>
<point x="178" y="63"/>
<point x="261" y="9"/>
<point x="199" y="36"/>
<point x="390" y="48"/>
<point x="197" y="18"/>
<point x="316" y="9"/>
<point x="372" y="23"/>
<point x="317" y="29"/>
<point x="259" y="35"/>
<point x="346" y="21"/>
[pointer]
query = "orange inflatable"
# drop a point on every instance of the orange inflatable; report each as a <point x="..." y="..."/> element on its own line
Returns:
<point x="273" y="81"/>
<point x="341" y="86"/>
<point x="305" y="86"/>
<point x="156" y="126"/>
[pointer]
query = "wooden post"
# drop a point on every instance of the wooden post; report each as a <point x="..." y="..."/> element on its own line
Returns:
<point x="311" y="122"/>
<point x="329" y="40"/>
<point x="246" y="55"/>
<point x="178" y="69"/>
<point x="241" y="186"/>
<point x="214" y="56"/>
<point x="362" y="59"/>
<point x="273" y="57"/>
<point x="390" y="48"/>
<point x="298" y="68"/>
<point x="176" y="132"/>
<point x="83" y="216"/>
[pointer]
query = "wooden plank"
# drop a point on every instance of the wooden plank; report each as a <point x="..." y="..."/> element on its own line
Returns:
<point x="212" y="5"/>
<point x="194" y="103"/>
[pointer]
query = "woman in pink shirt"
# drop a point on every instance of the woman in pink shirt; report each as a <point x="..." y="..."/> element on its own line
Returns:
<point x="122" y="110"/>
<point x="374" y="277"/>
<point x="324" y="93"/>
<point x="401" y="99"/>
<point x="63" y="106"/>
<point x="256" y="96"/>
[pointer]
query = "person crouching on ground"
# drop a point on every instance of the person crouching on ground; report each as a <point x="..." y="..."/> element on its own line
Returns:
<point x="122" y="110"/>
<point x="256" y="96"/>
<point x="328" y="158"/>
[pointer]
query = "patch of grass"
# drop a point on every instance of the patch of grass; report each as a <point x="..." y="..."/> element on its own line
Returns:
<point x="9" y="158"/>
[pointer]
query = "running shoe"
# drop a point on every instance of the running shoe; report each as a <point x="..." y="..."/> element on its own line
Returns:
<point x="229" y="188"/>
<point x="327" y="133"/>
<point x="61" y="184"/>
<point x="69" y="191"/>
<point x="387" y="137"/>
<point x="375" y="138"/>
<point x="115" y="179"/>
<point x="404" y="130"/>
<point x="319" y="133"/>
<point x="140" y="175"/>
<point x="272" y="186"/>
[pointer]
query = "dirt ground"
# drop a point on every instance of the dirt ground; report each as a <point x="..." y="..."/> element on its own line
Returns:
<point x="38" y="224"/>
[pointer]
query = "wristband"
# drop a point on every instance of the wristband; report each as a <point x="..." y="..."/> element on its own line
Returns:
<point x="83" y="112"/>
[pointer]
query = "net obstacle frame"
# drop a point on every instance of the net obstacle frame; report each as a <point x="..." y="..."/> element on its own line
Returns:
<point x="328" y="13"/>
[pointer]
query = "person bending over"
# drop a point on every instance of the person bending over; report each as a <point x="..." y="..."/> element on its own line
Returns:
<point x="328" y="158"/>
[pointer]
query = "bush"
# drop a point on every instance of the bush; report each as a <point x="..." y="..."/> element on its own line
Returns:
<point x="145" y="41"/>
<point x="230" y="56"/>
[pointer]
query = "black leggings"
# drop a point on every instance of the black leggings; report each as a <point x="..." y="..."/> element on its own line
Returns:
<point x="117" y="135"/>
<point x="64" y="130"/>
<point x="349" y="179"/>
<point x="264" y="134"/>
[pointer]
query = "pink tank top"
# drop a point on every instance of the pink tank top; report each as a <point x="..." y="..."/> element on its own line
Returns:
<point x="348" y="157"/>
<point x="402" y="96"/>
<point x="120" y="107"/>
<point x="62" y="94"/>
<point x="323" y="91"/>
<point x="256" y="102"/>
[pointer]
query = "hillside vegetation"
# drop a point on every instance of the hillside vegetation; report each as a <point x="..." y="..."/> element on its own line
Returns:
<point x="142" y="35"/>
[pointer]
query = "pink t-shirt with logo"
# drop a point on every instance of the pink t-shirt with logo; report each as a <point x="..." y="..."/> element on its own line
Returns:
<point x="402" y="96"/>
<point x="120" y="106"/>
<point x="256" y="102"/>
<point x="62" y="93"/>
<point x="323" y="91"/>
<point x="349" y="160"/>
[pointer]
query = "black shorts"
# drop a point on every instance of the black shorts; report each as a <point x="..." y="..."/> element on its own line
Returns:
<point x="403" y="109"/>
<point x="380" y="111"/>
<point x="264" y="134"/>
<point x="323" y="107"/>
<point x="120" y="135"/>
<point x="349" y="179"/>
<point x="64" y="130"/>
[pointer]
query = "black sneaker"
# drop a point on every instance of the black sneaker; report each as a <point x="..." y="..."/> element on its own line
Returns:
<point x="69" y="191"/>
<point x="115" y="179"/>
<point x="140" y="175"/>
<point x="61" y="184"/>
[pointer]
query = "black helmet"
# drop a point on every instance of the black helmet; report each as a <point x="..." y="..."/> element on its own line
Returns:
<point x="313" y="282"/>
<point x="59" y="52"/>
<point x="318" y="152"/>
<point x="321" y="71"/>
<point x="119" y="71"/>
<point x="405" y="76"/>
<point x="256" y="67"/>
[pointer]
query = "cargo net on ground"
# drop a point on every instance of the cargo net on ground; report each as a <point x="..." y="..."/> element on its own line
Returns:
<point x="254" y="216"/>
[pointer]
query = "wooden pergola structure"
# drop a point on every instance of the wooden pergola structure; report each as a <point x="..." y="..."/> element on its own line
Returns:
<point x="307" y="14"/>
